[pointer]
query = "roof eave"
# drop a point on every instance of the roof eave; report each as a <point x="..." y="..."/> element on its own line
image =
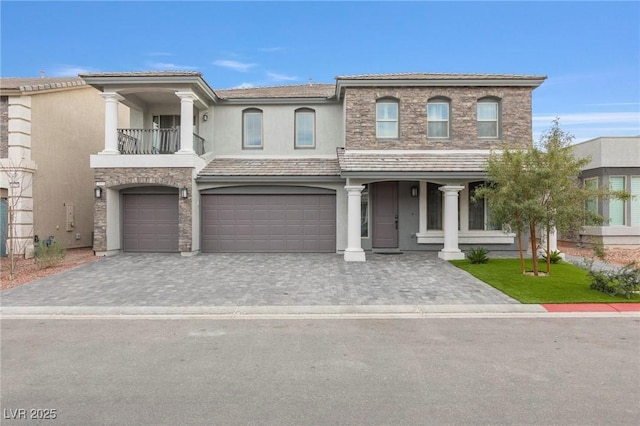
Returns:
<point x="268" y="178"/>
<point x="271" y="101"/>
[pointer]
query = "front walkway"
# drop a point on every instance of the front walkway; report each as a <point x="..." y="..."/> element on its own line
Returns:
<point x="417" y="278"/>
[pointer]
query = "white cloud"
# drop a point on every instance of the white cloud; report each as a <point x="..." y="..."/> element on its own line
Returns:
<point x="170" y="66"/>
<point x="244" y="86"/>
<point x="281" y="77"/>
<point x="589" y="118"/>
<point x="68" y="71"/>
<point x="234" y="65"/>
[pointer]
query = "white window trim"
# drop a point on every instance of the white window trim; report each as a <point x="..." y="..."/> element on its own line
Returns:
<point x="497" y="120"/>
<point x="312" y="113"/>
<point x="387" y="120"/>
<point x="245" y="114"/>
<point x="625" y="218"/>
<point x="448" y="104"/>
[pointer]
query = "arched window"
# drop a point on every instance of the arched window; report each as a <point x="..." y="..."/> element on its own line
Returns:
<point x="252" y="128"/>
<point x="387" y="118"/>
<point x="305" y="125"/>
<point x="488" y="118"/>
<point x="438" y="118"/>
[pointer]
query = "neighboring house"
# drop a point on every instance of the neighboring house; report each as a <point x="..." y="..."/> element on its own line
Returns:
<point x="615" y="163"/>
<point x="373" y="162"/>
<point x="48" y="129"/>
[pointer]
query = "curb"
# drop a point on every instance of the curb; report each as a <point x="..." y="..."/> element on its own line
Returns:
<point x="337" y="312"/>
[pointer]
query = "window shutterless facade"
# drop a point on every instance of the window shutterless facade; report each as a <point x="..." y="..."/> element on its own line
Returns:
<point x="616" y="207"/>
<point x="488" y="118"/>
<point x="252" y="128"/>
<point x="434" y="206"/>
<point x="305" y="128"/>
<point x="635" y="201"/>
<point x="591" y="204"/>
<point x="387" y="119"/>
<point x="364" y="212"/>
<point x="438" y="119"/>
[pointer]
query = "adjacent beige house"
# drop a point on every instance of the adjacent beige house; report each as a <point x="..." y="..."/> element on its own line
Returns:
<point x="615" y="163"/>
<point x="49" y="128"/>
<point x="373" y="162"/>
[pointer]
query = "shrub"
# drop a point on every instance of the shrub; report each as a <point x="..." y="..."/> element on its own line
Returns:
<point x="478" y="255"/>
<point x="49" y="253"/>
<point x="624" y="281"/>
<point x="555" y="256"/>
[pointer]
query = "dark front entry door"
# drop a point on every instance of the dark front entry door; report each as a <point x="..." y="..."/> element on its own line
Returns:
<point x="385" y="215"/>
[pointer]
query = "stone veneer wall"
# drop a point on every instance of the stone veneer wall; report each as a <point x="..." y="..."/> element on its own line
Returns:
<point x="4" y="127"/>
<point x="361" y="117"/>
<point x="118" y="178"/>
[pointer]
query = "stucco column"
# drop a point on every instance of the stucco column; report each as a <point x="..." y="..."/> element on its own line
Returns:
<point x="354" y="252"/>
<point x="450" y="250"/>
<point x="111" y="100"/>
<point x="186" y="122"/>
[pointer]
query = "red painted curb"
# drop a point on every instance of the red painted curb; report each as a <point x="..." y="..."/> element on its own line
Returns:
<point x="591" y="307"/>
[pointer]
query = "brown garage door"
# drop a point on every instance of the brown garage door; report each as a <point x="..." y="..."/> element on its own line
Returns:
<point x="269" y="223"/>
<point x="150" y="222"/>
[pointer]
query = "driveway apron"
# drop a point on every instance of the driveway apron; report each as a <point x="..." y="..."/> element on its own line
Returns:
<point x="416" y="278"/>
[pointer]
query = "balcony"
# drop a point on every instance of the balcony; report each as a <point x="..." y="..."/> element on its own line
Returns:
<point x="154" y="141"/>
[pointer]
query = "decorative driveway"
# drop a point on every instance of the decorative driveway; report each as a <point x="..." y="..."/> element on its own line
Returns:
<point x="415" y="278"/>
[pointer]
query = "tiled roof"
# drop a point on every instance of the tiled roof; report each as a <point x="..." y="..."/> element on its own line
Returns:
<point x="315" y="90"/>
<point x="424" y="161"/>
<point x="32" y="84"/>
<point x="437" y="76"/>
<point x="271" y="167"/>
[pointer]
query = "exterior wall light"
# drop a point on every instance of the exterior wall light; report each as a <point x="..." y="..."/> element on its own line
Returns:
<point x="184" y="192"/>
<point x="97" y="191"/>
<point x="414" y="191"/>
<point x="205" y="117"/>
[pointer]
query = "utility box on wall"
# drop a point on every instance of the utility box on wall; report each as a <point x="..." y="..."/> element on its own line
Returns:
<point x="69" y="219"/>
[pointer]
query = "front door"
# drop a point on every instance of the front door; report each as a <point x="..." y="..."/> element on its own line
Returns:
<point x="385" y="215"/>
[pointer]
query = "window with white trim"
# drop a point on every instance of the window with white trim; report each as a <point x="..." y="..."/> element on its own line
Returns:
<point x="616" y="206"/>
<point x="434" y="206"/>
<point x="438" y="118"/>
<point x="252" y="128"/>
<point x="305" y="128"/>
<point x="635" y="201"/>
<point x="364" y="212"/>
<point x="591" y="204"/>
<point x="488" y="118"/>
<point x="387" y="119"/>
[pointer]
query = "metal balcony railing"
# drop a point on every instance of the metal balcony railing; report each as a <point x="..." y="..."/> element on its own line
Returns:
<point x="154" y="141"/>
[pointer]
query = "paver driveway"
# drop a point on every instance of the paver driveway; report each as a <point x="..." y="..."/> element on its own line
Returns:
<point x="257" y="280"/>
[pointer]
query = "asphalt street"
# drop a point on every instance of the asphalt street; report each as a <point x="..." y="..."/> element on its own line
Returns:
<point x="569" y="371"/>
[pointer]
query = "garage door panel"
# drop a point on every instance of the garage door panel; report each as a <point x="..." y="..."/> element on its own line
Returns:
<point x="268" y="223"/>
<point x="150" y="222"/>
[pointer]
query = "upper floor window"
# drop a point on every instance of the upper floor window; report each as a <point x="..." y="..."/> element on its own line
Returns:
<point x="438" y="118"/>
<point x="387" y="119"/>
<point x="252" y="128"/>
<point x="488" y="118"/>
<point x="305" y="128"/>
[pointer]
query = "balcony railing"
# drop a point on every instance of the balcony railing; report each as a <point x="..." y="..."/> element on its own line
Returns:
<point x="154" y="141"/>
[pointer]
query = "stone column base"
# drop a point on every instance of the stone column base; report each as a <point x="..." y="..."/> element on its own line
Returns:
<point x="354" y="255"/>
<point x="189" y="253"/>
<point x="451" y="255"/>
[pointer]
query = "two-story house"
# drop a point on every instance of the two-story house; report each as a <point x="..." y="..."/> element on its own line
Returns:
<point x="372" y="162"/>
<point x="48" y="129"/>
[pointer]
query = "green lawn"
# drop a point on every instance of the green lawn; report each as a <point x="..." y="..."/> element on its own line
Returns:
<point x="566" y="284"/>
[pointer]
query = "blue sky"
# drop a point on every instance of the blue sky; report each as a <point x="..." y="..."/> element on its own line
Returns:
<point x="590" y="51"/>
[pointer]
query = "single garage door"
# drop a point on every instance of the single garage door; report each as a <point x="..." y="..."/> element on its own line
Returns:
<point x="269" y="223"/>
<point x="150" y="222"/>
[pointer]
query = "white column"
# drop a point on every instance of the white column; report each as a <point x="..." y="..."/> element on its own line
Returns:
<point x="354" y="252"/>
<point x="111" y="100"/>
<point x="423" y="207"/>
<point x="450" y="250"/>
<point x="186" y="122"/>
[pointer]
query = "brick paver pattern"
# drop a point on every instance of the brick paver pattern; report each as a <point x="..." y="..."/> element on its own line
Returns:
<point x="413" y="278"/>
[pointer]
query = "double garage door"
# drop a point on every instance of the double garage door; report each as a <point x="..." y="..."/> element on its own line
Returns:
<point x="268" y="223"/>
<point x="234" y="223"/>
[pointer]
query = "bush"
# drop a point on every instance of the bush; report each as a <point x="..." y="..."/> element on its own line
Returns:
<point x="624" y="281"/>
<point x="49" y="253"/>
<point x="478" y="255"/>
<point x="555" y="256"/>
